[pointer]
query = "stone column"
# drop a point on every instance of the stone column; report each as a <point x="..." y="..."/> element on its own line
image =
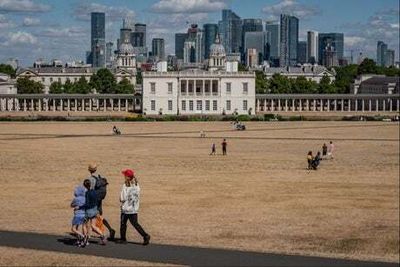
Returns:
<point x="377" y="105"/>
<point x="105" y="105"/>
<point x="307" y="104"/>
<point x="76" y="105"/>
<point x="68" y="105"/>
<point x="90" y="105"/>
<point x="384" y="104"/>
<point x="329" y="104"/>
<point x="62" y="104"/>
<point x="126" y="105"/>
<point x="342" y="104"/>
<point x="24" y="104"/>
<point x="279" y="104"/>
<point x="349" y="104"/>
<point x="83" y="104"/>
<point x="32" y="105"/>
<point x="119" y="104"/>
<point x="390" y="105"/>
<point x="293" y="105"/>
<point x="356" y="104"/>
<point x="321" y="105"/>
<point x="370" y="105"/>
<point x="272" y="105"/>
<point x="54" y="104"/>
<point x="314" y="105"/>
<point x="300" y="105"/>
<point x="335" y="105"/>
<point x="112" y="104"/>
<point x="286" y="105"/>
<point x="362" y="105"/>
<point x="39" y="104"/>
<point x="398" y="105"/>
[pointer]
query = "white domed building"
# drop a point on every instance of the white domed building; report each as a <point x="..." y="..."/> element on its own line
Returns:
<point x="217" y="60"/>
<point x="126" y="58"/>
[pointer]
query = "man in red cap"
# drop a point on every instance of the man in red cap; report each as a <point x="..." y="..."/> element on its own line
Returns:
<point x="129" y="198"/>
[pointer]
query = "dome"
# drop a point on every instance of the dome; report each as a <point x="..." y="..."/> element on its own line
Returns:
<point x="217" y="49"/>
<point x="126" y="48"/>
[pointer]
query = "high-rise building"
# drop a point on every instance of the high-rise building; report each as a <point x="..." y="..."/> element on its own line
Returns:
<point x="250" y="25"/>
<point x="98" y="37"/>
<point x="330" y="58"/>
<point x="381" y="53"/>
<point x="109" y="54"/>
<point x="138" y="37"/>
<point x="210" y="32"/>
<point x="312" y="47"/>
<point x="251" y="57"/>
<point x="193" y="51"/>
<point x="302" y="52"/>
<point x="257" y="41"/>
<point x="334" y="40"/>
<point x="289" y="40"/>
<point x="389" y="58"/>
<point x="158" y="48"/>
<point x="272" y="29"/>
<point x="180" y="39"/>
<point x="230" y="30"/>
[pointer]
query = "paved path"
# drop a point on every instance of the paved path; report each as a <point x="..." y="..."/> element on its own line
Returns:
<point x="171" y="254"/>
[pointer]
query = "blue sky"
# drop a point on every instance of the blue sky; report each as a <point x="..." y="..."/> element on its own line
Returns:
<point x="31" y="29"/>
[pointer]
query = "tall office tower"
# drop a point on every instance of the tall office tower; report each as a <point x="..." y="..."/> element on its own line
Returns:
<point x="125" y="32"/>
<point x="289" y="40"/>
<point x="210" y="32"/>
<point x="389" y="58"/>
<point x="257" y="41"/>
<point x="272" y="29"/>
<point x="158" y="48"/>
<point x="381" y="53"/>
<point x="109" y="54"/>
<point x="330" y="58"/>
<point x="250" y="25"/>
<point x="180" y="39"/>
<point x="312" y="47"/>
<point x="138" y="37"/>
<point x="89" y="58"/>
<point x="334" y="40"/>
<point x="194" y="45"/>
<point x="98" y="37"/>
<point x="302" y="52"/>
<point x="230" y="30"/>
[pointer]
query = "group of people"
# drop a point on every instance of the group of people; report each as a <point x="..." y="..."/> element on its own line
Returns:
<point x="314" y="161"/>
<point x="224" y="145"/>
<point x="88" y="208"/>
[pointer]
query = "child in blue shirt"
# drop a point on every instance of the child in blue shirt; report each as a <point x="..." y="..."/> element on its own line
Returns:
<point x="79" y="219"/>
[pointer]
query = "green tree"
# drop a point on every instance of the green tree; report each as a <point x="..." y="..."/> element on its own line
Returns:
<point x="279" y="84"/>
<point x="261" y="83"/>
<point x="82" y="86"/>
<point x="7" y="69"/>
<point x="368" y="66"/>
<point x="68" y="87"/>
<point x="27" y="86"/>
<point x="345" y="77"/>
<point x="242" y="67"/>
<point x="391" y="71"/>
<point x="301" y="85"/>
<point x="56" y="88"/>
<point x="139" y="77"/>
<point x="125" y="87"/>
<point x="325" y="86"/>
<point x="103" y="81"/>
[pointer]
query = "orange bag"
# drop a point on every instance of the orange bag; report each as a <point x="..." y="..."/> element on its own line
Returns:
<point x="99" y="223"/>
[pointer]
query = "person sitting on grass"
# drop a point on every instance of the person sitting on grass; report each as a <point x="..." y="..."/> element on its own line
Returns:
<point x="309" y="160"/>
<point x="315" y="162"/>
<point x="78" y="221"/>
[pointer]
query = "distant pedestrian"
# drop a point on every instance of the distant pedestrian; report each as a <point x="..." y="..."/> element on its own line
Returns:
<point x="78" y="221"/>
<point x="213" y="149"/>
<point x="331" y="148"/>
<point x="224" y="145"/>
<point x="309" y="160"/>
<point x="324" y="150"/>
<point x="316" y="160"/>
<point x="129" y="198"/>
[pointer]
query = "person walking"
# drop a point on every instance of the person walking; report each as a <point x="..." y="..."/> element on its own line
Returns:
<point x="224" y="145"/>
<point x="212" y="149"/>
<point x="309" y="160"/>
<point x="324" y="150"/>
<point x="130" y="195"/>
<point x="78" y="221"/>
<point x="99" y="184"/>
<point x="331" y="148"/>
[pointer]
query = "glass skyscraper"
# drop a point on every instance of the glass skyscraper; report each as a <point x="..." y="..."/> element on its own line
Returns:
<point x="180" y="39"/>
<point x="273" y="42"/>
<point x="302" y="52"/>
<point x="332" y="40"/>
<point x="312" y="47"/>
<point x="257" y="41"/>
<point x="230" y="29"/>
<point x="210" y="32"/>
<point x="289" y="40"/>
<point x="250" y="25"/>
<point x="158" y="48"/>
<point x="98" y="37"/>
<point x="381" y="53"/>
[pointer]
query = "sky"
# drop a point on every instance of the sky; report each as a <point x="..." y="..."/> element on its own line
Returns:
<point x="60" y="29"/>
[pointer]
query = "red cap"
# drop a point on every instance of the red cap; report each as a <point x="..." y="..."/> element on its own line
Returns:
<point x="128" y="173"/>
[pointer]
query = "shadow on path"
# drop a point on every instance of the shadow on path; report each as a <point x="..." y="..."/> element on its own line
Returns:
<point x="171" y="254"/>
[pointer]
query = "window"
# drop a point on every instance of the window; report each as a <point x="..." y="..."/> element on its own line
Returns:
<point x="51" y="80"/>
<point x="215" y="104"/>
<point x="228" y="88"/>
<point x="207" y="87"/>
<point x="228" y="105"/>
<point x="207" y="105"/>
<point x="191" y="87"/>
<point x="199" y="87"/>
<point x="169" y="88"/>
<point x="183" y="104"/>
<point x="183" y="87"/>
<point x="245" y="88"/>
<point x="153" y="105"/>
<point x="152" y="88"/>
<point x="244" y="104"/>
<point x="170" y="105"/>
<point x="215" y="87"/>
<point x="191" y="105"/>
<point x="199" y="105"/>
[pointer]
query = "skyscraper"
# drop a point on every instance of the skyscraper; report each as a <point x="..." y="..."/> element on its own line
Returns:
<point x="180" y="39"/>
<point x="289" y="40"/>
<point x="210" y="32"/>
<point x="273" y="42"/>
<point x="138" y="37"/>
<point x="109" y="54"/>
<point x="98" y="37"/>
<point x="312" y="47"/>
<point x="381" y="53"/>
<point x="389" y="58"/>
<point x="334" y="40"/>
<point x="250" y="25"/>
<point x="257" y="41"/>
<point x="302" y="52"/>
<point x="158" y="48"/>
<point x="230" y="30"/>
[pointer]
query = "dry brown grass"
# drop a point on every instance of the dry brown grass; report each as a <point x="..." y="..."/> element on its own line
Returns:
<point x="260" y="197"/>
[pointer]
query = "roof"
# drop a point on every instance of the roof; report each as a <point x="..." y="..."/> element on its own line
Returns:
<point x="382" y="80"/>
<point x="299" y="70"/>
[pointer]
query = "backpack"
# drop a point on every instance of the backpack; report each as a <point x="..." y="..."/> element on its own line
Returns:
<point x="101" y="187"/>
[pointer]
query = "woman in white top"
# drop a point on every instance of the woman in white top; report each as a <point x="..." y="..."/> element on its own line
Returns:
<point x="129" y="199"/>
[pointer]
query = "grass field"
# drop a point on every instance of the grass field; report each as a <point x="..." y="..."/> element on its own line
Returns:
<point x="260" y="197"/>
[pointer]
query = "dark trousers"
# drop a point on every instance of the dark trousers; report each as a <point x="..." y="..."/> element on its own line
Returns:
<point x="223" y="150"/>
<point x="133" y="218"/>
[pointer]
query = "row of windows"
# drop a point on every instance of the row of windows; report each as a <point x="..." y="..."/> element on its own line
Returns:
<point x="189" y="87"/>
<point x="51" y="79"/>
<point x="199" y="105"/>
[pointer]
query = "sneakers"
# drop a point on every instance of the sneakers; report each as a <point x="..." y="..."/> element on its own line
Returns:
<point x="146" y="240"/>
<point x="102" y="240"/>
<point x="121" y="241"/>
<point x="112" y="235"/>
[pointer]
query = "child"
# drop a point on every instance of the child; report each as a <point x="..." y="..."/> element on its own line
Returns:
<point x="309" y="160"/>
<point x="78" y="220"/>
<point x="212" y="149"/>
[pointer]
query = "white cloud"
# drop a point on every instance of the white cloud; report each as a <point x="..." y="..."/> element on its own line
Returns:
<point x="293" y="8"/>
<point x="20" y="38"/>
<point x="5" y="23"/>
<point x="69" y="32"/>
<point x="30" y="22"/>
<point x="22" y="6"/>
<point x="188" y="6"/>
<point x="113" y="13"/>
<point x="351" y="41"/>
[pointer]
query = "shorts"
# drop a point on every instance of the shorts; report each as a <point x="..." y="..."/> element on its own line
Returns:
<point x="91" y="213"/>
<point x="78" y="220"/>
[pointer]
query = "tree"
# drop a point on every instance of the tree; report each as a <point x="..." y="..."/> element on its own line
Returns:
<point x="279" y="84"/>
<point x="325" y="86"/>
<point x="125" y="87"/>
<point x="7" y="69"/>
<point x="103" y="81"/>
<point x="368" y="66"/>
<point x="261" y="83"/>
<point x="242" y="67"/>
<point x="56" y="88"/>
<point x="301" y="85"/>
<point x="139" y="77"/>
<point x="345" y="77"/>
<point x="82" y="86"/>
<point x="68" y="87"/>
<point x="26" y="86"/>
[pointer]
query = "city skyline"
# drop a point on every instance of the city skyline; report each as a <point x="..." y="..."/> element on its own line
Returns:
<point x="60" y="29"/>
